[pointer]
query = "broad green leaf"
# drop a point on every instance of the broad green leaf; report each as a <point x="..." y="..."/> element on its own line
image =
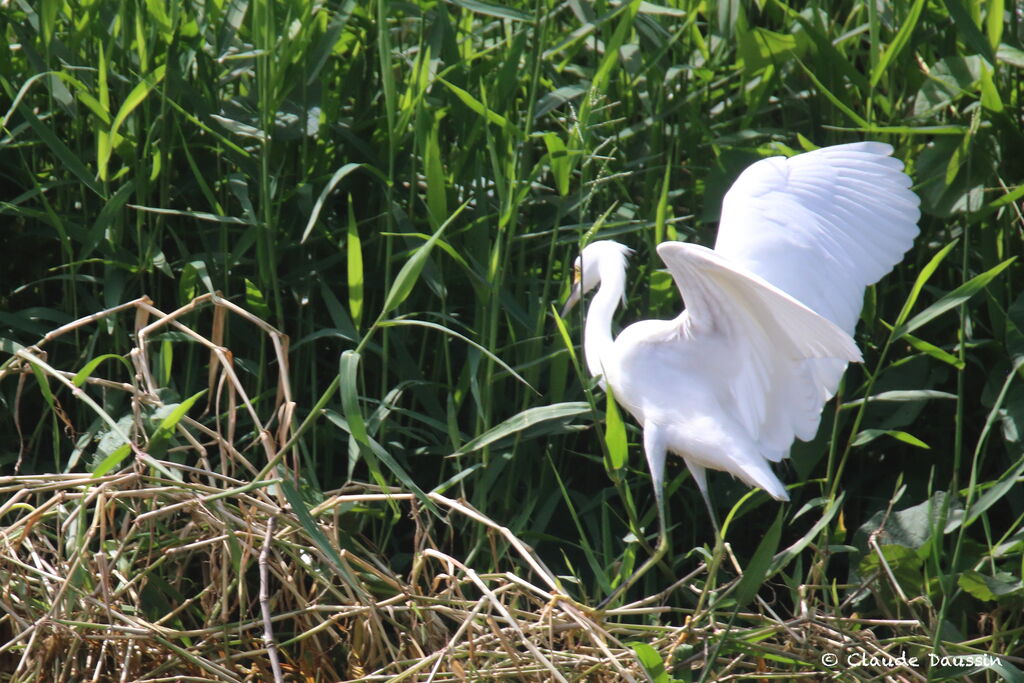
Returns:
<point x="112" y="461"/>
<point x="910" y="527"/>
<point x="561" y="164"/>
<point x="921" y="280"/>
<point x="615" y="433"/>
<point x="868" y="435"/>
<point x="524" y="420"/>
<point x="759" y="47"/>
<point x="649" y="658"/>
<point x="48" y="17"/>
<point x="990" y="98"/>
<point x="158" y="442"/>
<point x="133" y="100"/>
<point x="255" y="301"/>
<point x="757" y="570"/>
<point x="1009" y="481"/>
<point x="479" y="107"/>
<point x="902" y="563"/>
<point x="934" y="351"/>
<point x="82" y="375"/>
<point x="349" y="375"/>
<point x="994" y="22"/>
<point x="44" y="384"/>
<point x="898" y="43"/>
<point x="406" y="279"/>
<point x="953" y="299"/>
<point x="991" y="588"/>
<point x="354" y="267"/>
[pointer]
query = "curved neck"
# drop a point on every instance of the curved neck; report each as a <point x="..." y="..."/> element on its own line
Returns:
<point x="597" y="339"/>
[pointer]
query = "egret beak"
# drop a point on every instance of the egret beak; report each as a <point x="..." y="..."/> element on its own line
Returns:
<point x="575" y="294"/>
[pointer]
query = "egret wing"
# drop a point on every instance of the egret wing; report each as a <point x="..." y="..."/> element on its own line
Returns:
<point x="775" y="390"/>
<point x="821" y="226"/>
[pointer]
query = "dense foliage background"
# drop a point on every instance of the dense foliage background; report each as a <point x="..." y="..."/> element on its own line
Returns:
<point x="296" y="156"/>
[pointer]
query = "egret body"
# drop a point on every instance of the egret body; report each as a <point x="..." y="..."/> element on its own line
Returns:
<point x="769" y="314"/>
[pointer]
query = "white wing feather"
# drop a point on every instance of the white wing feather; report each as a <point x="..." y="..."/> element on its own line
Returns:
<point x="770" y="335"/>
<point x="821" y="226"/>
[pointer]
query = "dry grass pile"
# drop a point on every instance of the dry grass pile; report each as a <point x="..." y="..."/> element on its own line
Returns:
<point x="133" y="576"/>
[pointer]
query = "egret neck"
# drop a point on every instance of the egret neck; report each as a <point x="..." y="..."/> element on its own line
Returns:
<point x="598" y="340"/>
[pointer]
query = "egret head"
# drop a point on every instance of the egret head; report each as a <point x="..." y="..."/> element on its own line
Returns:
<point x="604" y="256"/>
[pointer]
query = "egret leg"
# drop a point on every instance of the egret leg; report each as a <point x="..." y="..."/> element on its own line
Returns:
<point x="655" y="450"/>
<point x="700" y="475"/>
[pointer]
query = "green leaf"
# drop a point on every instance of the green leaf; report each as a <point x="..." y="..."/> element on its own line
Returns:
<point x="255" y="301"/>
<point x="898" y="43"/>
<point x="910" y="527"/>
<point x="757" y="570"/>
<point x="406" y="279"/>
<point x="354" y="267"/>
<point x="868" y="435"/>
<point x="68" y="159"/>
<point x="477" y="106"/>
<point x="44" y="384"/>
<point x="902" y="562"/>
<point x="112" y="461"/>
<point x="953" y="299"/>
<point x="834" y="99"/>
<point x="158" y="442"/>
<point x="994" y="588"/>
<point x="560" y="161"/>
<point x="611" y="56"/>
<point x="649" y="658"/>
<point x="524" y="420"/>
<point x="615" y="433"/>
<point x="1006" y="483"/>
<point x="134" y="99"/>
<point x="759" y="47"/>
<point x="994" y="22"/>
<point x="349" y="375"/>
<point x="338" y="176"/>
<point x="933" y="351"/>
<point x="355" y="424"/>
<point x="82" y="375"/>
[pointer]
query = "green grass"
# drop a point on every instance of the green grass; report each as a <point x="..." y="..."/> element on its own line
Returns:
<point x="400" y="189"/>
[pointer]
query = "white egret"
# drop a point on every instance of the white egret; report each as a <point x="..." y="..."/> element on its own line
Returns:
<point x="770" y="312"/>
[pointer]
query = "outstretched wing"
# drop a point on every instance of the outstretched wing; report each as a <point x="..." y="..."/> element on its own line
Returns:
<point x="775" y="392"/>
<point x="821" y="226"/>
